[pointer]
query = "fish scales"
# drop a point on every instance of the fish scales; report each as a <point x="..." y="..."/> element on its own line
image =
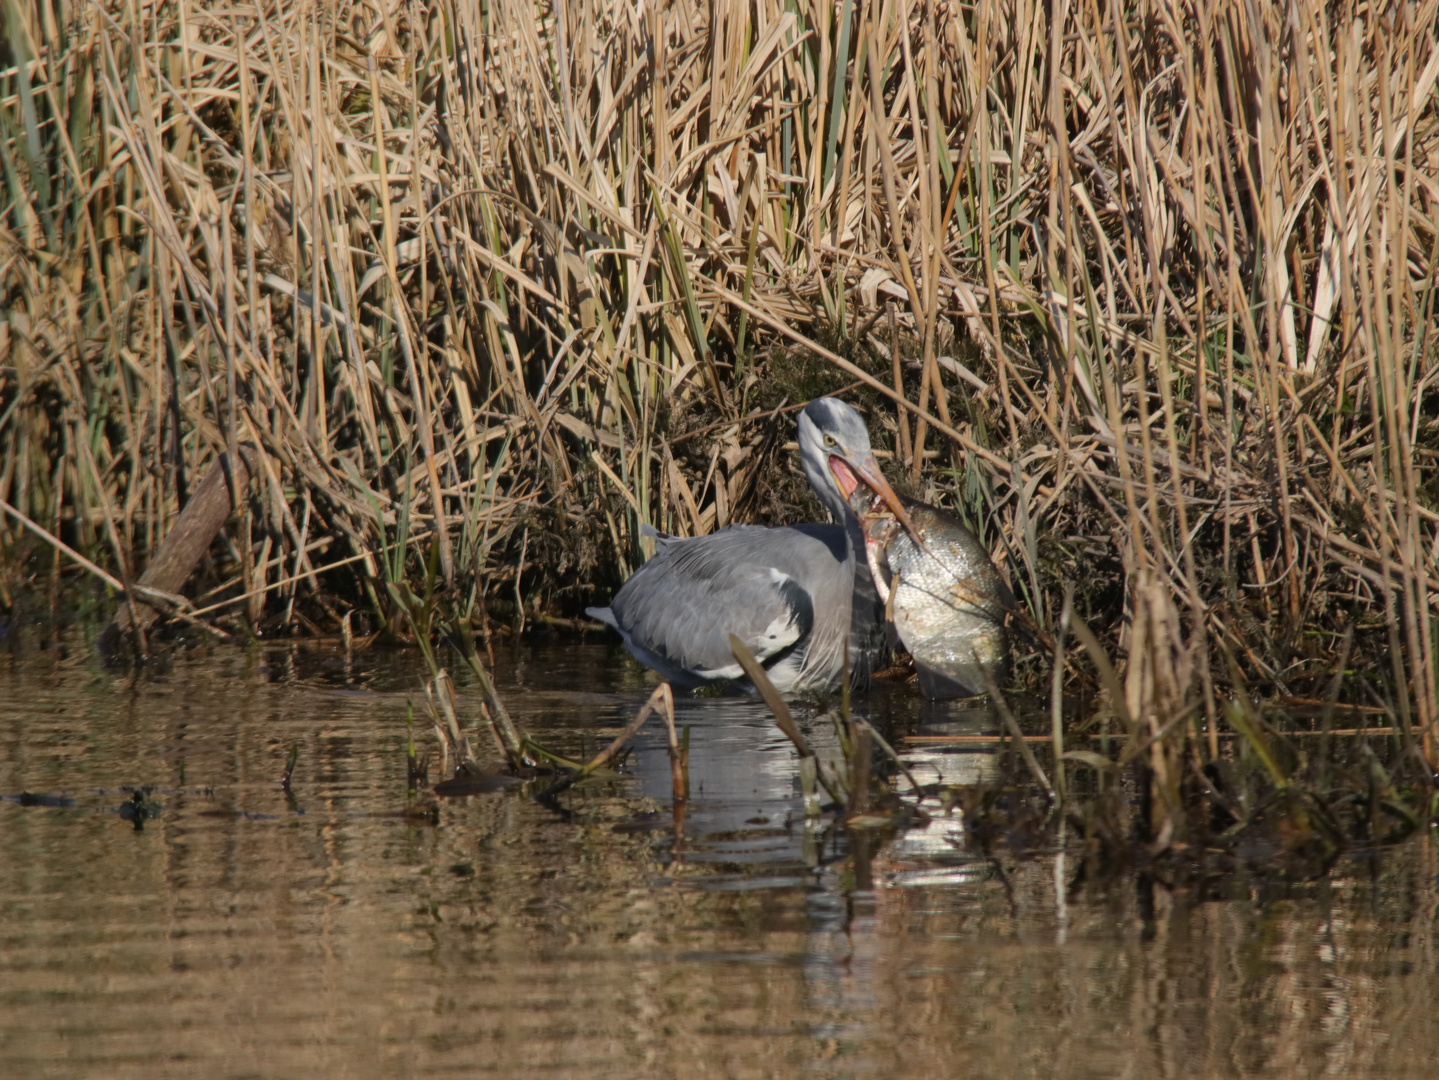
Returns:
<point x="945" y="597"/>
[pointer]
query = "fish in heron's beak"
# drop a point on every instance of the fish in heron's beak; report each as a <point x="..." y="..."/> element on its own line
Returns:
<point x="942" y="593"/>
<point x="849" y="474"/>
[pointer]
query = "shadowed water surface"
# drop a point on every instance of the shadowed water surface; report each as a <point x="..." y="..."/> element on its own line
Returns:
<point x="242" y="934"/>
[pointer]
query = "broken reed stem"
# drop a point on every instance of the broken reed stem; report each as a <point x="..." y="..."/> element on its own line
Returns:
<point x="63" y="548"/>
<point x="890" y="753"/>
<point x="679" y="755"/>
<point x="783" y="718"/>
<point x="662" y="699"/>
<point x="172" y="605"/>
<point x="1056" y="695"/>
<point x="997" y="696"/>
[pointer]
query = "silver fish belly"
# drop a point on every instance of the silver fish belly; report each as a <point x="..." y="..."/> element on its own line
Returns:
<point x="946" y="599"/>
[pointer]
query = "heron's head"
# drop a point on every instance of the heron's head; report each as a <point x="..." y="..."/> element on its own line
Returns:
<point x="834" y="450"/>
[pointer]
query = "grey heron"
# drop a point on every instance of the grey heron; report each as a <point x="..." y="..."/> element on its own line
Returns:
<point x="799" y="596"/>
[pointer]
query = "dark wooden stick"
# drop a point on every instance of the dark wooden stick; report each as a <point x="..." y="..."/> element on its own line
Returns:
<point x="184" y="545"/>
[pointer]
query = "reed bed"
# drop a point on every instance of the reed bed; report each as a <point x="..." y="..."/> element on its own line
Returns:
<point x="1146" y="291"/>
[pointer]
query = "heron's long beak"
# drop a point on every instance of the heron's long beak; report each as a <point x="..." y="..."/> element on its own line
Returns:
<point x="848" y="473"/>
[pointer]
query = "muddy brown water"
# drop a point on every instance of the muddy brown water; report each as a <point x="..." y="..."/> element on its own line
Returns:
<point x="242" y="934"/>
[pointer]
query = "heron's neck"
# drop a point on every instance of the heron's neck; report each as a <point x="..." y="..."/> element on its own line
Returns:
<point x="845" y="517"/>
<point x="866" y="636"/>
<point x="838" y="506"/>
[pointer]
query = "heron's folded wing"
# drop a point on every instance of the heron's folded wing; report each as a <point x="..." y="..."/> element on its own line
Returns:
<point x="685" y="603"/>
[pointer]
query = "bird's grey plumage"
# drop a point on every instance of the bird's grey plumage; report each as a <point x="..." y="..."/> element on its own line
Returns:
<point x="799" y="596"/>
<point x="748" y="576"/>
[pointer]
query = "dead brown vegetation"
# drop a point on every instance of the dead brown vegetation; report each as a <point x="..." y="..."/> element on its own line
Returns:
<point x="1146" y="290"/>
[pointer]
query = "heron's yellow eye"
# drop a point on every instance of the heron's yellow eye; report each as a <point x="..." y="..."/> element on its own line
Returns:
<point x="829" y="440"/>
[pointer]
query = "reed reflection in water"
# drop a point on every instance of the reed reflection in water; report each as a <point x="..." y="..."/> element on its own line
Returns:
<point x="239" y="935"/>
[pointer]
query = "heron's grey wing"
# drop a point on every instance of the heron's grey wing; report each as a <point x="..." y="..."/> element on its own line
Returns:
<point x="683" y="604"/>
